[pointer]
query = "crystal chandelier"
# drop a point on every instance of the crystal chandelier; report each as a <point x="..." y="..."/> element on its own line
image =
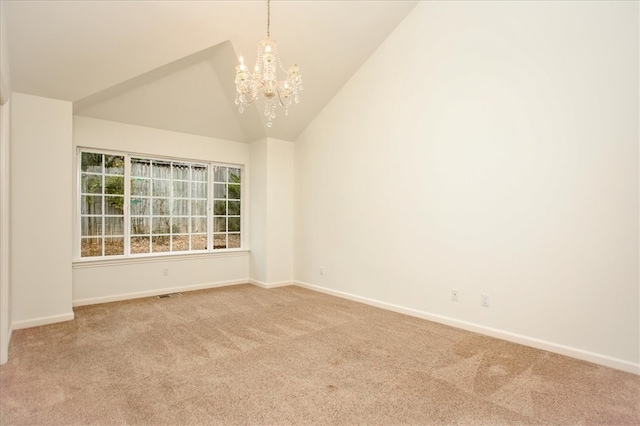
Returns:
<point x="264" y="79"/>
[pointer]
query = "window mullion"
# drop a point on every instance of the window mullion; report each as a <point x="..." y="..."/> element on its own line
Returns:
<point x="151" y="204"/>
<point x="126" y="205"/>
<point x="78" y="211"/>
<point x="171" y="202"/>
<point x="210" y="185"/>
<point x="103" y="220"/>
<point x="190" y="207"/>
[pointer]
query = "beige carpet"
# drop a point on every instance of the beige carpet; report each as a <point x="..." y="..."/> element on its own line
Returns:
<point x="244" y="355"/>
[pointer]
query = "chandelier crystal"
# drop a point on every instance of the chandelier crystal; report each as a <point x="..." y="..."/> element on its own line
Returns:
<point x="263" y="81"/>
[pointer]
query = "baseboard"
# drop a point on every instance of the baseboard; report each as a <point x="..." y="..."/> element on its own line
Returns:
<point x="36" y="322"/>
<point x="155" y="292"/>
<point x="270" y="285"/>
<point x="595" y="358"/>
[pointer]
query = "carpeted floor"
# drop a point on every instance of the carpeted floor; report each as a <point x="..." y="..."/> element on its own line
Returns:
<point x="245" y="355"/>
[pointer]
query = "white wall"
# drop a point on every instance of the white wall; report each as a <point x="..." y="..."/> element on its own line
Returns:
<point x="489" y="147"/>
<point x="272" y="212"/>
<point x="5" y="62"/>
<point x="5" y="231"/>
<point x="5" y="288"/>
<point x="41" y="212"/>
<point x="258" y="212"/>
<point x="280" y="211"/>
<point x="102" y="281"/>
<point x="106" y="282"/>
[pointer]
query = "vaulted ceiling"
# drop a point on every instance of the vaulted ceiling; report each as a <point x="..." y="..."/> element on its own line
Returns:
<point x="170" y="64"/>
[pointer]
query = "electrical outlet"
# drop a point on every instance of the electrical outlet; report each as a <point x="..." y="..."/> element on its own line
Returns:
<point x="454" y="295"/>
<point x="321" y="270"/>
<point x="484" y="300"/>
<point x="165" y="272"/>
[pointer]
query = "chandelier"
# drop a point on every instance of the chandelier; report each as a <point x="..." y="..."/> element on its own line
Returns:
<point x="264" y="79"/>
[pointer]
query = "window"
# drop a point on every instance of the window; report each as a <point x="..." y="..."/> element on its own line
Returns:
<point x="101" y="205"/>
<point x="226" y="207"/>
<point x="168" y="206"/>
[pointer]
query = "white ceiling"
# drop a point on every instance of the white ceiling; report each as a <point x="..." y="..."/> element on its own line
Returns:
<point x="170" y="64"/>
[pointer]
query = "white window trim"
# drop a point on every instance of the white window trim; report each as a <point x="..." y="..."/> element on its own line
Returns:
<point x="93" y="262"/>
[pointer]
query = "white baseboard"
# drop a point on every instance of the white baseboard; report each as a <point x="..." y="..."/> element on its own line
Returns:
<point x="595" y="358"/>
<point x="155" y="292"/>
<point x="270" y="285"/>
<point x="35" y="322"/>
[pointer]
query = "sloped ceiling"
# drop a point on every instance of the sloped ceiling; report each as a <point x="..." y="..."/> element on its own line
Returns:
<point x="170" y="64"/>
<point x="190" y="95"/>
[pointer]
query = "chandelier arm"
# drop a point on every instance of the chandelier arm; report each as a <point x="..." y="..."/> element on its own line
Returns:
<point x="252" y="99"/>
<point x="280" y="96"/>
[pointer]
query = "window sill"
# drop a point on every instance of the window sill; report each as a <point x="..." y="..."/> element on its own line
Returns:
<point x="91" y="263"/>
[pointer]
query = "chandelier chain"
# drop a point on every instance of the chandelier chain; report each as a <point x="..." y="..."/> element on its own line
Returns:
<point x="268" y="16"/>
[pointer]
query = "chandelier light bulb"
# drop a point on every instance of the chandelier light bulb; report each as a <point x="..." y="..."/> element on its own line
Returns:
<point x="264" y="80"/>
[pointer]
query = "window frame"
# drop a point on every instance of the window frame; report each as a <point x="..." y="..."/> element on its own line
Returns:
<point x="127" y="196"/>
